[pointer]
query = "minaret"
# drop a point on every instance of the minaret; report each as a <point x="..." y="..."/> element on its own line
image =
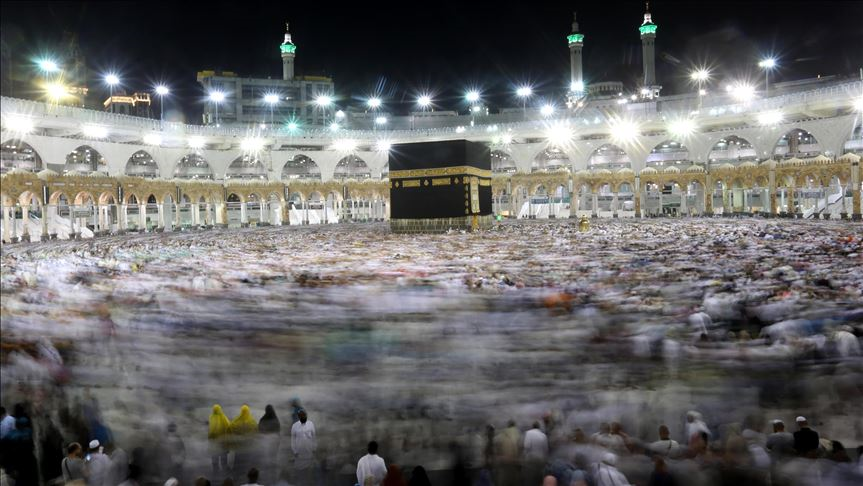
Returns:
<point x="576" y="42"/>
<point x="288" y="53"/>
<point x="648" y="56"/>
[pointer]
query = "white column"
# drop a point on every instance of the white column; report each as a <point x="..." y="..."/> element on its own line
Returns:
<point x="25" y="221"/>
<point x="7" y="224"/>
<point x="243" y="213"/>
<point x="142" y="215"/>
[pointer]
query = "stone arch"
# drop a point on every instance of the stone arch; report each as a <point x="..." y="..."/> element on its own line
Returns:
<point x="798" y="143"/>
<point x="28" y="197"/>
<point x="301" y="166"/>
<point x="193" y="166"/>
<point x="234" y="197"/>
<point x="732" y="149"/>
<point x="854" y="143"/>
<point x="17" y="154"/>
<point x="550" y="159"/>
<point x="142" y="164"/>
<point x="151" y="199"/>
<point x="668" y="152"/>
<point x="84" y="159"/>
<point x="83" y="198"/>
<point x="57" y="197"/>
<point x="502" y="162"/>
<point x="609" y="156"/>
<point x="246" y="166"/>
<point x="132" y="198"/>
<point x="106" y="198"/>
<point x="352" y="167"/>
<point x="315" y="196"/>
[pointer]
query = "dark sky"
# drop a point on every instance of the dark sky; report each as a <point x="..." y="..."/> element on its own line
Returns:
<point x="404" y="47"/>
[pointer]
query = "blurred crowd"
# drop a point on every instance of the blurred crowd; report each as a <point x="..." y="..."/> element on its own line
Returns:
<point x="246" y="451"/>
<point x="130" y="359"/>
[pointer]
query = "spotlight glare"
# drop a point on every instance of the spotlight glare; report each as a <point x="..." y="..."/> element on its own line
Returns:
<point x="524" y="91"/>
<point x="340" y="114"/>
<point x="48" y="65"/>
<point x="292" y="126"/>
<point x="547" y="110"/>
<point x="858" y="104"/>
<point x="506" y="139"/>
<point x="559" y="135"/>
<point x="152" y="139"/>
<point x="424" y="100"/>
<point x="334" y="126"/>
<point x="768" y="63"/>
<point x="56" y="91"/>
<point x="112" y="79"/>
<point x="196" y="142"/>
<point x="323" y="100"/>
<point x="700" y="75"/>
<point x="381" y="120"/>
<point x="383" y="146"/>
<point x="472" y="96"/>
<point x="271" y="98"/>
<point x="94" y="131"/>
<point x="577" y="86"/>
<point x="374" y="103"/>
<point x="217" y="96"/>
<point x="18" y="124"/>
<point x="251" y="144"/>
<point x="770" y="118"/>
<point x="624" y="131"/>
<point x="162" y="90"/>
<point x="742" y="92"/>
<point x="681" y="128"/>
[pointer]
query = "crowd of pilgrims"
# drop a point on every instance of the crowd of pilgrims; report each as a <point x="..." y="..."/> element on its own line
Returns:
<point x="246" y="451"/>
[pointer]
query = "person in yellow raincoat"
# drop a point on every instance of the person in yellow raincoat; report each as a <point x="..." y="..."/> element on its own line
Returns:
<point x="218" y="435"/>
<point x="244" y="429"/>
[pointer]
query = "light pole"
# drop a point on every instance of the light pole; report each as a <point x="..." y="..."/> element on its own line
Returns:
<point x="374" y="103"/>
<point x="217" y="97"/>
<point x="700" y="77"/>
<point x="111" y="80"/>
<point x="472" y="97"/>
<point x="162" y="91"/>
<point x="324" y="101"/>
<point x="424" y="101"/>
<point x="768" y="65"/>
<point x="271" y="99"/>
<point x="524" y="93"/>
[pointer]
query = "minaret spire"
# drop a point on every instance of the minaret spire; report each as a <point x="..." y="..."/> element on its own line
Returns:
<point x="288" y="50"/>
<point x="575" y="40"/>
<point x="648" y="56"/>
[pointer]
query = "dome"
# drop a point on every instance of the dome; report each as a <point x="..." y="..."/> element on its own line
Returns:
<point x="822" y="159"/>
<point x="582" y="172"/>
<point x="850" y="157"/>
<point x="695" y="169"/>
<point x="671" y="170"/>
<point x="602" y="172"/>
<point x="725" y="166"/>
<point x="649" y="170"/>
<point x="625" y="171"/>
<point x="770" y="163"/>
<point x="747" y="165"/>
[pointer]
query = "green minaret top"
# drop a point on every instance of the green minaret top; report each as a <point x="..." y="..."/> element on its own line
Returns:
<point x="287" y="47"/>
<point x="647" y="27"/>
<point x="575" y="37"/>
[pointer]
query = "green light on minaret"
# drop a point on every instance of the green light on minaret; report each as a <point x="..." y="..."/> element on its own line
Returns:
<point x="288" y="48"/>
<point x="648" y="29"/>
<point x="574" y="38"/>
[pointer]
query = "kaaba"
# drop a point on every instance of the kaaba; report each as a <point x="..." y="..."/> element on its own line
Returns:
<point x="439" y="186"/>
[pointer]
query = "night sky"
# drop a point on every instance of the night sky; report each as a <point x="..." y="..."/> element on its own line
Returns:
<point x="399" y="49"/>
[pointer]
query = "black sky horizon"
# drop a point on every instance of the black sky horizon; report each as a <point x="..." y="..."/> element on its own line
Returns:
<point x="397" y="50"/>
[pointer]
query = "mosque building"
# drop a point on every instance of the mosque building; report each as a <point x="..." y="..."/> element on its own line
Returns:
<point x="791" y="151"/>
